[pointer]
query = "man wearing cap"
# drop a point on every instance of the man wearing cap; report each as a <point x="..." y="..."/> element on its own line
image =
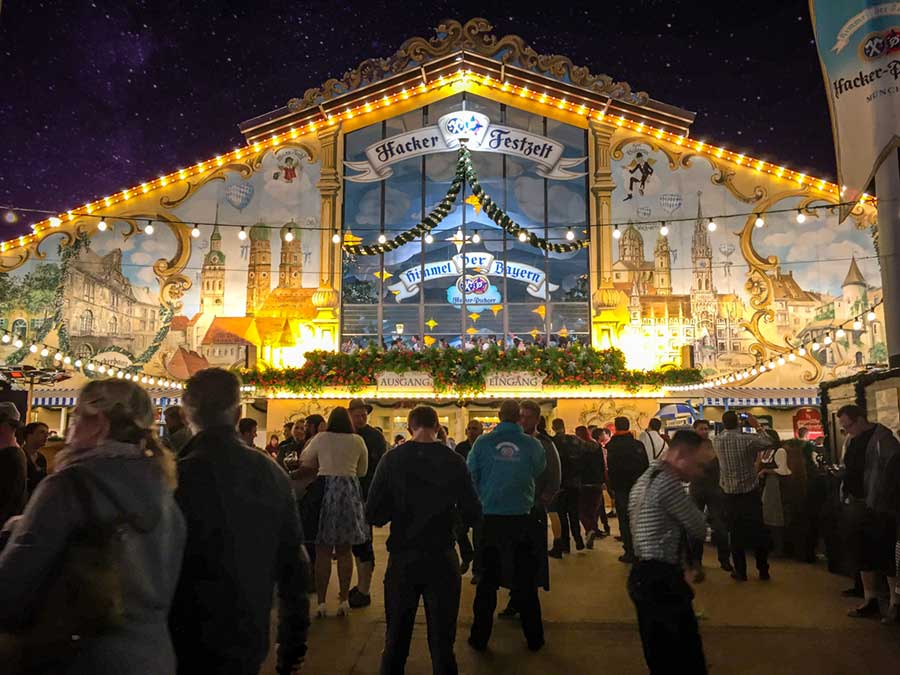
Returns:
<point x="376" y="447"/>
<point x="13" y="465"/>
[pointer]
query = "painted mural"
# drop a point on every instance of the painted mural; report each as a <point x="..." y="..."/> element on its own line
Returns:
<point x="695" y="285"/>
<point x="244" y="291"/>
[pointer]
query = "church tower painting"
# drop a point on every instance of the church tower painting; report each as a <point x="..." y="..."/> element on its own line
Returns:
<point x="259" y="268"/>
<point x="290" y="268"/>
<point x="662" y="266"/>
<point x="212" y="277"/>
<point x="703" y="294"/>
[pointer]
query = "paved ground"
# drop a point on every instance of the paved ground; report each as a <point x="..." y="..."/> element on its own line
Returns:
<point x="796" y="623"/>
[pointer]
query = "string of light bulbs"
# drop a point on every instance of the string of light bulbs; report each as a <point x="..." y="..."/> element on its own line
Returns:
<point x="801" y="215"/>
<point x="839" y="332"/>
<point x="89" y="366"/>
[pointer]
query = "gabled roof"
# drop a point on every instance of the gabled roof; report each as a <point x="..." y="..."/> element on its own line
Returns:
<point x="232" y="330"/>
<point x="184" y="363"/>
<point x="471" y="47"/>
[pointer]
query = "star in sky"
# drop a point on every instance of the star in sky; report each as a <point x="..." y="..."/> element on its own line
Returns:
<point x="459" y="240"/>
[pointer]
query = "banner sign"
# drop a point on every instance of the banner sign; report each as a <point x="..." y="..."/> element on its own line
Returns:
<point x="859" y="48"/>
<point x="476" y="130"/>
<point x="401" y="382"/>
<point x="513" y="381"/>
<point x="478" y="264"/>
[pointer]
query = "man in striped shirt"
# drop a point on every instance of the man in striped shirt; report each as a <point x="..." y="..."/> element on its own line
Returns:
<point x="663" y="518"/>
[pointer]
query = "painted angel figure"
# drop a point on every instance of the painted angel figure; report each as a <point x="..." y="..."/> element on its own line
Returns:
<point x="644" y="167"/>
<point x="287" y="170"/>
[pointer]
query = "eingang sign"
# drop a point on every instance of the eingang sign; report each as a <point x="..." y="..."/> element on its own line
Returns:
<point x="476" y="131"/>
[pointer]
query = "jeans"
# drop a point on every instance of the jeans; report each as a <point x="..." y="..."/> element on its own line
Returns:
<point x="712" y="500"/>
<point x="669" y="632"/>
<point x="508" y="557"/>
<point x="434" y="577"/>
<point x="566" y="504"/>
<point x="622" y="497"/>
<point x="746" y="529"/>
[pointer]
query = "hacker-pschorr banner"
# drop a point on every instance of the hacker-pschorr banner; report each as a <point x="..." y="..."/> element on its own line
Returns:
<point x="476" y="130"/>
<point x="475" y="265"/>
<point x="859" y="47"/>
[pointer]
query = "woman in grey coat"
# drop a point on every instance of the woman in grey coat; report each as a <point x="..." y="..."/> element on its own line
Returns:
<point x="113" y="452"/>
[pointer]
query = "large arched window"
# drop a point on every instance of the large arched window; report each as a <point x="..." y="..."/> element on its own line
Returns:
<point x="87" y="322"/>
<point x="113" y="326"/>
<point x="20" y="328"/>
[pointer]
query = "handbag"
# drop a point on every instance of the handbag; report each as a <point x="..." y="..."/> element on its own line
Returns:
<point x="82" y="598"/>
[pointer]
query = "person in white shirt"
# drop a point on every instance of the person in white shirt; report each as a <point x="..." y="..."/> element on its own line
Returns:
<point x="654" y="443"/>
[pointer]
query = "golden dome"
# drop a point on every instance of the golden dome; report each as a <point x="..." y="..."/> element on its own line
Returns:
<point x="326" y="296"/>
<point x="605" y="298"/>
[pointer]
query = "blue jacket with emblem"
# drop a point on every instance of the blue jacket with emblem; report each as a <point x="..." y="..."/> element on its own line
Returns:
<point x="504" y="465"/>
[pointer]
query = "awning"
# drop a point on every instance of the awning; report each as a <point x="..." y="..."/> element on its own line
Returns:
<point x="67" y="398"/>
<point x="53" y="401"/>
<point x="768" y="397"/>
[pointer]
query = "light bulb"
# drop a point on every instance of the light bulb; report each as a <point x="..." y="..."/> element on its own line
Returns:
<point x="840" y="333"/>
<point x="91" y="366"/>
<point x="781" y="361"/>
<point x="67" y="360"/>
<point x="335" y="238"/>
<point x="242" y="234"/>
<point x="289" y="235"/>
<point x="101" y="226"/>
<point x="828" y="340"/>
<point x="759" y="222"/>
<point x="6" y="338"/>
<point x="570" y="235"/>
<point x="857" y="325"/>
<point x="616" y="233"/>
<point x="58" y="356"/>
<point x="382" y="238"/>
<point x="664" y="230"/>
<point x="801" y="218"/>
<point x="711" y="225"/>
<point x="476" y="238"/>
<point x="195" y="232"/>
<point x="792" y="356"/>
<point x="771" y="365"/>
<point x="149" y="229"/>
<point x="816" y="346"/>
<point x="523" y="236"/>
<point x="762" y="368"/>
<point x="119" y="375"/>
<point x="871" y="316"/>
<point x="102" y="368"/>
<point x="17" y="343"/>
<point x="33" y="348"/>
<point x="78" y="363"/>
<point x="429" y="238"/>
<point x="55" y="222"/>
<point x="127" y="376"/>
<point x="45" y="352"/>
<point x="152" y="380"/>
<point x="144" y="380"/>
<point x="802" y="351"/>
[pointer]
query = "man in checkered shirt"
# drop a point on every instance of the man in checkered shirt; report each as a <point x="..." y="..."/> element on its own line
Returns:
<point x="663" y="520"/>
<point x="737" y="453"/>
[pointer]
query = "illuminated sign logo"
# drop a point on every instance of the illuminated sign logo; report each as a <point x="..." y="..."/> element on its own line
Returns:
<point x="477" y="284"/>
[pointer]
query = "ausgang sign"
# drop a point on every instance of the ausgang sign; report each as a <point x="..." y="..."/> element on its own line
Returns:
<point x="400" y="382"/>
<point x="477" y="132"/>
<point x="512" y="381"/>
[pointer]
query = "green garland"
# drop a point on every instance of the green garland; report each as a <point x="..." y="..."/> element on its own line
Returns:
<point x="465" y="172"/>
<point x="462" y="371"/>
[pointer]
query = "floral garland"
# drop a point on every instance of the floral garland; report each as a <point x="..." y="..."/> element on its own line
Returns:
<point x="462" y="371"/>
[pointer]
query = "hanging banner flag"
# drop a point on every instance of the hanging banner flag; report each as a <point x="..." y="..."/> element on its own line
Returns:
<point x="859" y="48"/>
<point x="476" y="130"/>
<point x="480" y="263"/>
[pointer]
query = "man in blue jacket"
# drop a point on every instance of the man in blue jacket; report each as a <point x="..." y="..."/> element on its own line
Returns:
<point x="504" y="465"/>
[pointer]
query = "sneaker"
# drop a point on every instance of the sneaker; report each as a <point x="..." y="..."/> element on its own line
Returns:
<point x="590" y="540"/>
<point x="579" y="545"/>
<point x="344" y="608"/>
<point x="357" y="599"/>
<point x="866" y="610"/>
<point x="555" y="553"/>
<point x="320" y="612"/>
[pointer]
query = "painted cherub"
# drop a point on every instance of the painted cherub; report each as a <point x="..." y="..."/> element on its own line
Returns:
<point x="287" y="169"/>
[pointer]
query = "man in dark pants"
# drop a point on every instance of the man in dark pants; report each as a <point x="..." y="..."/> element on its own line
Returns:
<point x="565" y="505"/>
<point x="737" y="453"/>
<point x="504" y="465"/>
<point x="421" y="487"/>
<point x="626" y="461"/>
<point x="474" y="429"/>
<point x="243" y="540"/>
<point x="707" y="494"/>
<point x="662" y="516"/>
<point x="365" y="553"/>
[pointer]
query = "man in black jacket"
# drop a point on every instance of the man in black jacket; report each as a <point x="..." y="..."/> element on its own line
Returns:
<point x="243" y="538"/>
<point x="565" y="506"/>
<point x="420" y="487"/>
<point x="626" y="461"/>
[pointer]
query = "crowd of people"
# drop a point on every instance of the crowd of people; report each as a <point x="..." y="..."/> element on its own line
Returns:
<point x="136" y="555"/>
<point x="416" y="343"/>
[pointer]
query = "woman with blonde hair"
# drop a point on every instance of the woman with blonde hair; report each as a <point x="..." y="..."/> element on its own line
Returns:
<point x="113" y="476"/>
<point x="340" y="456"/>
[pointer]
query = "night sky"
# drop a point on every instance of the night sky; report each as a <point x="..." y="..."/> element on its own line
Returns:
<point x="99" y="96"/>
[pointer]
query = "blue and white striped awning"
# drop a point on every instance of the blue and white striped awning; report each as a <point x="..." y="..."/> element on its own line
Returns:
<point x="53" y="401"/>
<point x="766" y="397"/>
<point x="68" y="397"/>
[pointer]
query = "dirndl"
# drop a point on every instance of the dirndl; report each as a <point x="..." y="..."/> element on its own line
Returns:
<point x="341" y="519"/>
